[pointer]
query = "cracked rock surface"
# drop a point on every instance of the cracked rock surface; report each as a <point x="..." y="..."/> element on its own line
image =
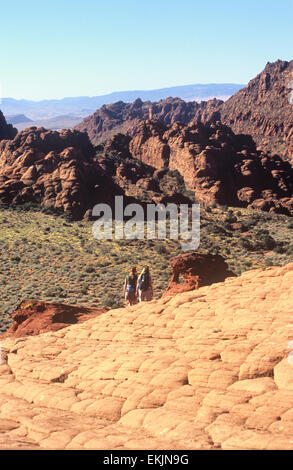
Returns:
<point x="205" y="369"/>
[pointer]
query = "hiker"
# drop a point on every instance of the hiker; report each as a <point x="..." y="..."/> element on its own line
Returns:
<point x="144" y="285"/>
<point x="129" y="290"/>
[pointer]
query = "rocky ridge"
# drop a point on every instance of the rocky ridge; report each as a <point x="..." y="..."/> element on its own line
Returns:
<point x="59" y="170"/>
<point x="7" y="131"/>
<point x="49" y="168"/>
<point x="219" y="166"/>
<point x="261" y="109"/>
<point x="206" y="369"/>
<point x="124" y="118"/>
<point x="63" y="171"/>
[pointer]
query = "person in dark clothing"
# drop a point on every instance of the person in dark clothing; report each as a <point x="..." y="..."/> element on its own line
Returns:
<point x="129" y="289"/>
<point x="144" y="285"/>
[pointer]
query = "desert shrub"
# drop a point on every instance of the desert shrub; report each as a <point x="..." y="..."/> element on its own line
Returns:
<point x="28" y="206"/>
<point x="50" y="210"/>
<point x="274" y="260"/>
<point x="230" y="217"/>
<point x="84" y="289"/>
<point x="90" y="269"/>
<point x="122" y="259"/>
<point x="269" y="261"/>
<point x="265" y="241"/>
<point x="246" y="244"/>
<point x="112" y="301"/>
<point x="16" y="259"/>
<point x="247" y="263"/>
<point x="161" y="249"/>
<point x="54" y="292"/>
<point x="280" y="248"/>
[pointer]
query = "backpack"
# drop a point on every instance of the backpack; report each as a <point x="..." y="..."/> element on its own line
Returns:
<point x="144" y="282"/>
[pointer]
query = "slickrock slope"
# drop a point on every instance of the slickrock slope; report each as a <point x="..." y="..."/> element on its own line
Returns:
<point x="219" y="166"/>
<point x="7" y="131"/>
<point x="205" y="369"/>
<point x="124" y="118"/>
<point x="262" y="108"/>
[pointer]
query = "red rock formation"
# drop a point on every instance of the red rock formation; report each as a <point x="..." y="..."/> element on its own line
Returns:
<point x="125" y="117"/>
<point x="197" y="270"/>
<point x="50" y="168"/>
<point x="33" y="318"/>
<point x="60" y="170"/>
<point x="262" y="108"/>
<point x="219" y="166"/>
<point x="148" y="146"/>
<point x="7" y="131"/>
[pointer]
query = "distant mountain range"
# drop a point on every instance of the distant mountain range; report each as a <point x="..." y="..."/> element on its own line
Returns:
<point x="82" y="106"/>
<point x="66" y="121"/>
<point x="17" y="118"/>
<point x="261" y="109"/>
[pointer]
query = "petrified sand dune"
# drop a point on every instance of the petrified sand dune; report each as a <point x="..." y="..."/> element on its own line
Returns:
<point x="205" y="369"/>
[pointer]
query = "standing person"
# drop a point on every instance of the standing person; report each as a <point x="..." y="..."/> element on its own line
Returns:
<point x="144" y="285"/>
<point x="129" y="289"/>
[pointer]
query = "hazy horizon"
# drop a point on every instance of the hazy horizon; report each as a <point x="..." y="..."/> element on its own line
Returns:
<point x="95" y="47"/>
<point x="120" y="91"/>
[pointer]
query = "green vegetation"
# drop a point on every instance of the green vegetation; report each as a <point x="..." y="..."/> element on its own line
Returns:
<point x="50" y="258"/>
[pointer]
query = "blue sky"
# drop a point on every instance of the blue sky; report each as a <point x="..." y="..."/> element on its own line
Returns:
<point x="64" y="48"/>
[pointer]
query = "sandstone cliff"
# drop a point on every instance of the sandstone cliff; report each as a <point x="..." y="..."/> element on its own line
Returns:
<point x="219" y="166"/>
<point x="262" y="108"/>
<point x="206" y="369"/>
<point x="49" y="168"/>
<point x="59" y="170"/>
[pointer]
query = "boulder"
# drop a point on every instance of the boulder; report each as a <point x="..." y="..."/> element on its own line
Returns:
<point x="33" y="317"/>
<point x="197" y="270"/>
